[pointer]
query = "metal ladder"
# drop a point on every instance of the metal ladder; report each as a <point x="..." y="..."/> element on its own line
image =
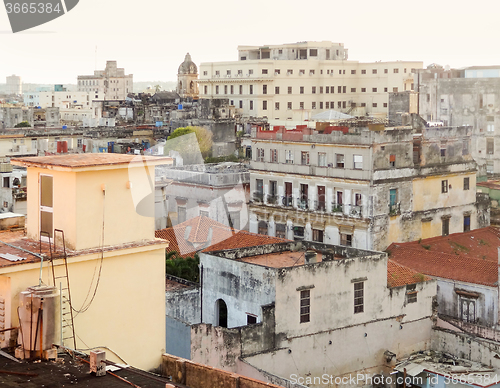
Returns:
<point x="67" y="326"/>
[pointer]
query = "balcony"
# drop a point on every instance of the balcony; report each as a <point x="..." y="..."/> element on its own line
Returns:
<point x="337" y="207"/>
<point x="303" y="203"/>
<point x="287" y="201"/>
<point x="272" y="199"/>
<point x="394" y="209"/>
<point x="355" y="211"/>
<point x="258" y="197"/>
<point x="320" y="206"/>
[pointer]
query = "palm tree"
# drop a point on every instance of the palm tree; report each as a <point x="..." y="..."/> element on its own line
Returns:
<point x="157" y="88"/>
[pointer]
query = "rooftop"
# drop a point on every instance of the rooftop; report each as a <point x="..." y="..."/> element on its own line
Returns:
<point x="280" y="259"/>
<point x="398" y="275"/>
<point x="16" y="249"/>
<point x="73" y="161"/>
<point x="203" y="233"/>
<point x="470" y="257"/>
<point x="68" y="372"/>
<point x="444" y="364"/>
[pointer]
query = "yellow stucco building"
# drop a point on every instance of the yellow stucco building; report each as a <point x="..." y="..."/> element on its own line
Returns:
<point x="116" y="267"/>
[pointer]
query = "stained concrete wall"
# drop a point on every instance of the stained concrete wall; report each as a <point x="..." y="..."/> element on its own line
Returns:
<point x="184" y="304"/>
<point x="486" y="303"/>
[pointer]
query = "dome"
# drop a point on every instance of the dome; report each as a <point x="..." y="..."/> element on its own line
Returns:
<point x="188" y="66"/>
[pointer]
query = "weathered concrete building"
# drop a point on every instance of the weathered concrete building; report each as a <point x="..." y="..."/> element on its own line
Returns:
<point x="11" y="116"/>
<point x="363" y="183"/>
<point x="217" y="191"/>
<point x="469" y="96"/>
<point x="290" y="311"/>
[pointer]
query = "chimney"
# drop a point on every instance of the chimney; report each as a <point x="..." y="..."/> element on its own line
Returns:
<point x="310" y="257"/>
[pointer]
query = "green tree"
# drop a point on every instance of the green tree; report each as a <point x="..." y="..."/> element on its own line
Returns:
<point x="183" y="141"/>
<point x="185" y="268"/>
<point x="23" y="124"/>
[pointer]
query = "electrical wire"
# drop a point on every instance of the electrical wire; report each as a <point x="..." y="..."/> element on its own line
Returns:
<point x="85" y="307"/>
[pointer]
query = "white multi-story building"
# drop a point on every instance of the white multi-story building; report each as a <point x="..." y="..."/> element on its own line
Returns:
<point x="110" y="83"/>
<point x="290" y="83"/>
<point x="62" y="99"/>
<point x="14" y="84"/>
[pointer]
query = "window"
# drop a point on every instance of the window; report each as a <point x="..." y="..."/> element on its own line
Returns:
<point x="374" y="71"/>
<point x="260" y="154"/>
<point x="332" y="89"/>
<point x="301" y="90"/>
<point x="313" y="105"/>
<point x="396" y="71"/>
<point x="277" y="71"/>
<point x="264" y="105"/>
<point x="262" y="227"/>
<point x="468" y="309"/>
<point x="225" y="89"/>
<point x="232" y="89"/>
<point x="46" y="204"/>
<point x="363" y="71"/>
<point x="289" y="105"/>
<point x="327" y="105"/>
<point x="217" y="72"/>
<point x="289" y="90"/>
<point x="385" y="104"/>
<point x="344" y="89"/>
<point x="274" y="156"/>
<point x="393" y="197"/>
<point x="289" y="156"/>
<point x="264" y="89"/>
<point x="411" y="293"/>
<point x="313" y="90"/>
<point x="251" y="105"/>
<point x="251" y="89"/>
<point x="228" y="72"/>
<point x="204" y="213"/>
<point x="465" y="147"/>
<point x="358" y="162"/>
<point x="346" y="239"/>
<point x="241" y="89"/>
<point x="395" y="90"/>
<point x="289" y="72"/>
<point x="322" y="159"/>
<point x="339" y="89"/>
<point x="311" y="72"/>
<point x="445" y="226"/>
<point x="217" y="89"/>
<point x="250" y="71"/>
<point x="276" y="90"/>
<point x="259" y="193"/>
<point x="392" y="160"/>
<point x="281" y="230"/>
<point x="6" y="181"/>
<point x="251" y="319"/>
<point x="466" y="183"/>
<point x="241" y="104"/>
<point x="301" y="105"/>
<point x="304" y="159"/>
<point x="353" y="90"/>
<point x="490" y="167"/>
<point x="374" y="90"/>
<point x="353" y="71"/>
<point x="327" y="89"/>
<point x="302" y="72"/>
<point x="264" y="71"/>
<point x="363" y="90"/>
<point x="339" y="160"/>
<point x="443" y="151"/>
<point x="317" y="235"/>
<point x="358" y="297"/>
<point x="374" y="105"/>
<point x="305" y="306"/>
<point x="490" y="146"/>
<point x="466" y="222"/>
<point x="181" y="214"/>
<point x="313" y="52"/>
<point x="240" y="72"/>
<point x="273" y="191"/>
<point x="205" y="89"/>
<point x="320" y="105"/>
<point x="444" y="186"/>
<point x="277" y="106"/>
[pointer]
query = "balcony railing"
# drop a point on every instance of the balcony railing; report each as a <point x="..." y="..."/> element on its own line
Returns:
<point x="337" y="207"/>
<point x="258" y="197"/>
<point x="394" y="209"/>
<point x="287" y="201"/>
<point x="355" y="211"/>
<point x="303" y="203"/>
<point x="272" y="199"/>
<point x="320" y="206"/>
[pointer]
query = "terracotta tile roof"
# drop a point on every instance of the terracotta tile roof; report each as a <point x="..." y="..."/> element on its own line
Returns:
<point x="491" y="184"/>
<point x="470" y="257"/>
<point x="242" y="239"/>
<point x="198" y="237"/>
<point x="222" y="237"/>
<point x="86" y="160"/>
<point x="399" y="275"/>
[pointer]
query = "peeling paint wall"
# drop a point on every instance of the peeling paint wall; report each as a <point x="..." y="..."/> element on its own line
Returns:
<point x="184" y="304"/>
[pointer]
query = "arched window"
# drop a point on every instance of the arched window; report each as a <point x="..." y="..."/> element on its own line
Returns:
<point x="220" y="313"/>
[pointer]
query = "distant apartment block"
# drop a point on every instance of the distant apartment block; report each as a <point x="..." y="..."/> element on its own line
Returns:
<point x="469" y="96"/>
<point x="112" y="83"/>
<point x="290" y="83"/>
<point x="14" y="84"/>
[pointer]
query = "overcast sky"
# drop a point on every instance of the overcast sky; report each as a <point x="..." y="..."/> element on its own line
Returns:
<point x="149" y="38"/>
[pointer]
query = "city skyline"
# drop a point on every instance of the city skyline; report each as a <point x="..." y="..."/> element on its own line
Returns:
<point x="151" y="47"/>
